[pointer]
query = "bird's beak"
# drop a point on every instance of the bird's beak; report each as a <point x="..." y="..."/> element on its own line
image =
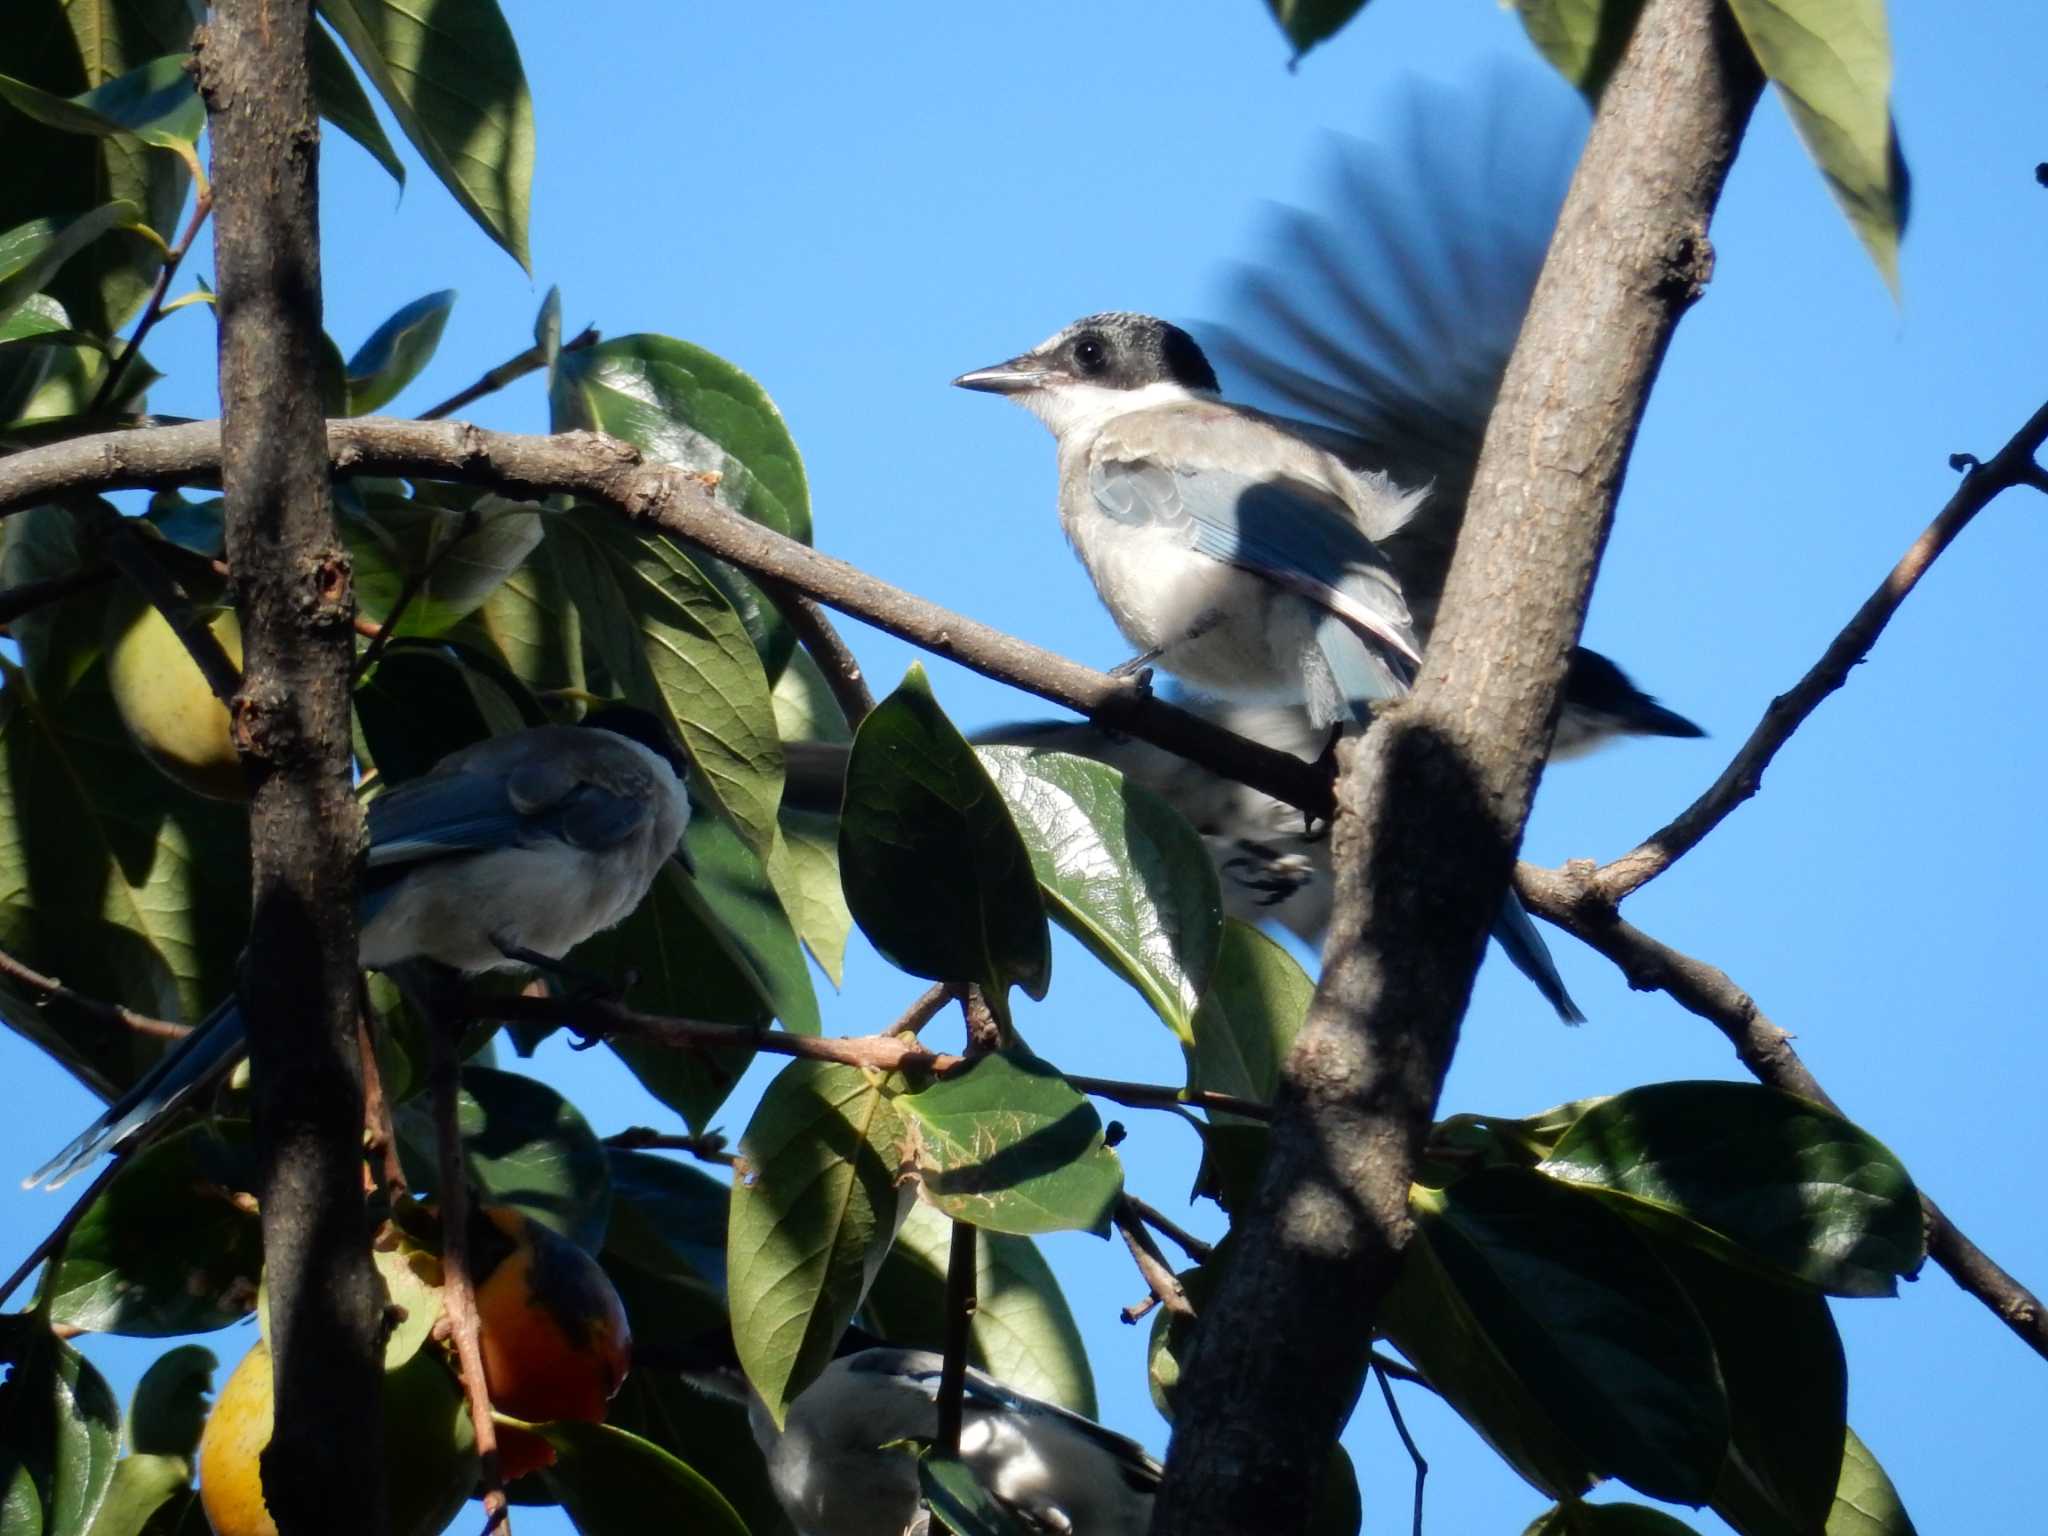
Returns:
<point x="1012" y="378"/>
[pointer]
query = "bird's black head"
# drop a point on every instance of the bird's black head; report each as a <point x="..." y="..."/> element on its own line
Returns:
<point x="643" y="726"/>
<point x="1116" y="350"/>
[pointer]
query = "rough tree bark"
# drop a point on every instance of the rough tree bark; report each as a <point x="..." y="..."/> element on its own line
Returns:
<point x="1432" y="800"/>
<point x="323" y="1471"/>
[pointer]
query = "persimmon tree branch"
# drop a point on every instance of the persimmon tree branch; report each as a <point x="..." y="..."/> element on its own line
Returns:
<point x="1432" y="800"/>
<point x="1575" y="899"/>
<point x="678" y="502"/>
<point x="1983" y="482"/>
<point x="323" y="1470"/>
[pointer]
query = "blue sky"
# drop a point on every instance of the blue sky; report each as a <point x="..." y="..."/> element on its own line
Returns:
<point x="854" y="204"/>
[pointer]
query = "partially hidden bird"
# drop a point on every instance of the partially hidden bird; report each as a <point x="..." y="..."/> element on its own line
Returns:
<point x="504" y="855"/>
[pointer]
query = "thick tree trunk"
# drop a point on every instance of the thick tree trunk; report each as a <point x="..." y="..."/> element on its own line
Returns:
<point x="1432" y="801"/>
<point x="323" y="1471"/>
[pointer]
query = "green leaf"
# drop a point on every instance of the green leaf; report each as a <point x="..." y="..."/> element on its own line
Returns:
<point x="736" y="888"/>
<point x="1832" y="63"/>
<point x="667" y="1217"/>
<point x="412" y="1284"/>
<point x="1121" y="871"/>
<point x="396" y="352"/>
<point x="680" y="404"/>
<point x="524" y="1145"/>
<point x="1005" y="1143"/>
<point x="169" y="1408"/>
<point x="1591" y="1324"/>
<point x="449" y="71"/>
<point x="670" y="643"/>
<point x="1340" y="1510"/>
<point x="1582" y="39"/>
<point x="421" y="702"/>
<point x="1255" y="1005"/>
<point x="609" y="1481"/>
<point x="454" y="557"/>
<point x="164" y="1250"/>
<point x="1021" y="1333"/>
<point x="31" y="253"/>
<point x="1577" y="1519"/>
<point x="59" y="1432"/>
<point x="934" y="869"/>
<point x="1309" y="22"/>
<point x="714" y="1436"/>
<point x="343" y="102"/>
<point x="154" y="102"/>
<point x="814" y="1209"/>
<point x="64" y="49"/>
<point x="1866" y="1503"/>
<point x="141" y="1486"/>
<point x="1781" y="1180"/>
<point x="28" y="339"/>
<point x="60" y="641"/>
<point x="109" y="870"/>
<point x="804" y="869"/>
<point x="960" y="1503"/>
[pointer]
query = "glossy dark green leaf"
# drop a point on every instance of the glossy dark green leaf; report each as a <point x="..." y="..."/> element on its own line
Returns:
<point x="452" y="558"/>
<point x="1832" y="63"/>
<point x="669" y="642"/>
<point x="667" y="1216"/>
<point x="1577" y="1519"/>
<point x="67" y="47"/>
<point x="1121" y="871"/>
<point x="142" y="1485"/>
<point x="524" y="1145"/>
<point x="1788" y="1391"/>
<point x="1785" y="1182"/>
<point x="1866" y="1503"/>
<point x="1005" y="1143"/>
<point x="1590" y="1323"/>
<point x="1582" y="39"/>
<point x="814" y="1209"/>
<point x="547" y="330"/>
<point x="935" y="871"/>
<point x="60" y="641"/>
<point x="164" y="1250"/>
<point x="449" y="71"/>
<point x="1257" y="999"/>
<point x="1309" y="22"/>
<point x="609" y="1481"/>
<point x="395" y="353"/>
<point x="342" y="100"/>
<point x="958" y="1501"/>
<point x="169" y="1407"/>
<point x="109" y="871"/>
<point x="155" y="102"/>
<point x="1022" y="1332"/>
<point x="60" y="1430"/>
<point x="31" y="253"/>
<point x="711" y="1434"/>
<point x="735" y="887"/>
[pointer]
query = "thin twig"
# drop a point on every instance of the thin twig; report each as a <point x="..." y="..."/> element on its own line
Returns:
<point x="2012" y="465"/>
<point x="1380" y="1373"/>
<point x="458" y="1291"/>
<point x="513" y="369"/>
<point x="828" y="648"/>
<point x="54" y="991"/>
<point x="202" y="205"/>
<point x="27" y="596"/>
<point x="711" y="1147"/>
<point x="1165" y="1096"/>
<point x="961" y="1301"/>
<point x="1571" y="898"/>
<point x="1187" y="1242"/>
<point x="55" y="1239"/>
<point x="1152" y="1266"/>
<point x="380" y="1136"/>
<point x="682" y="504"/>
<point x="929" y="1005"/>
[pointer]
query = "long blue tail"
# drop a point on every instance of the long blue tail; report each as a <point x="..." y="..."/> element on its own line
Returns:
<point x="1525" y="946"/>
<point x="182" y="1071"/>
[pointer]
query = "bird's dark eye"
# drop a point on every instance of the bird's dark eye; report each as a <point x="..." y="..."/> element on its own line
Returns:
<point x="1091" y="355"/>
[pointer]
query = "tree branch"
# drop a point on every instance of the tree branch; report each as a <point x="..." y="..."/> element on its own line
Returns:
<point x="27" y="596"/>
<point x="835" y="659"/>
<point x="50" y="989"/>
<point x="323" y="1470"/>
<point x="1432" y="800"/>
<point x="679" y="503"/>
<point x="2013" y="465"/>
<point x="1574" y="899"/>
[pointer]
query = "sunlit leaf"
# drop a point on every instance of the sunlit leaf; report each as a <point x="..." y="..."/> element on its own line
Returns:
<point x="1121" y="871"/>
<point x="1582" y="39"/>
<point x="344" y="103"/>
<point x="1256" y="1002"/>
<point x="154" y="102"/>
<point x="804" y="868"/>
<point x="31" y="253"/>
<point x="814" y="1210"/>
<point x="608" y="1481"/>
<point x="60" y="1430"/>
<point x="395" y="353"/>
<point x="449" y="71"/>
<point x="1866" y="1503"/>
<point x="142" y="1485"/>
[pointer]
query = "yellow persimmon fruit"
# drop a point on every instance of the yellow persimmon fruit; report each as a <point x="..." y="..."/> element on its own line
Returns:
<point x="164" y="700"/>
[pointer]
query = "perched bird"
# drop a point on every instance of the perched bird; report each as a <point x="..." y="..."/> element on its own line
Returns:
<point x="506" y="854"/>
<point x="837" y="1473"/>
